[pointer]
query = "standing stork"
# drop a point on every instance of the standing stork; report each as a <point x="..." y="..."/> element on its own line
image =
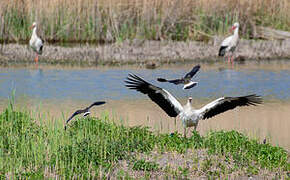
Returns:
<point x="230" y="43"/>
<point x="36" y="43"/>
<point x="187" y="113"/>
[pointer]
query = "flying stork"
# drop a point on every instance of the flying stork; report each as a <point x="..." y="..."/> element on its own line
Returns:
<point x="186" y="80"/>
<point x="86" y="111"/>
<point x="189" y="116"/>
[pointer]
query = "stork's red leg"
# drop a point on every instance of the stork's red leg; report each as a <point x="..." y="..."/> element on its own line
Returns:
<point x="36" y="58"/>
<point x="232" y="58"/>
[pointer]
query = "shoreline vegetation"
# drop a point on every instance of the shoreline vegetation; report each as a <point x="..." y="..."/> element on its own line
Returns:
<point x="118" y="20"/>
<point x="132" y="32"/>
<point x="98" y="148"/>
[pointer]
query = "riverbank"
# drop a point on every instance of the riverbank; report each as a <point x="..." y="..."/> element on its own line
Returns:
<point x="143" y="51"/>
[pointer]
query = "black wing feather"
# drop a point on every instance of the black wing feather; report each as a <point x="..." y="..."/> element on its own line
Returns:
<point x="174" y="81"/>
<point x="76" y="113"/>
<point x="222" y="50"/>
<point x="96" y="104"/>
<point x="155" y="93"/>
<point x="194" y="70"/>
<point x="229" y="103"/>
<point x="40" y="50"/>
<point x="161" y="80"/>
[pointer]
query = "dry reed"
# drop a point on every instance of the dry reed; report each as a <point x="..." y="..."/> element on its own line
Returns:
<point x="116" y="20"/>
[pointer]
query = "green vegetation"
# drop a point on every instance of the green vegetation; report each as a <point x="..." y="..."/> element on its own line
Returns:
<point x="93" y="148"/>
<point x="145" y="165"/>
<point x="116" y="20"/>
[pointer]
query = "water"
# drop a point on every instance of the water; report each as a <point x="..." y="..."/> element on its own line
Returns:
<point x="93" y="84"/>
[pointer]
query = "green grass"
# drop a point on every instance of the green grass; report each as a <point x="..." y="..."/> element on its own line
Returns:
<point x="144" y="165"/>
<point x="92" y="147"/>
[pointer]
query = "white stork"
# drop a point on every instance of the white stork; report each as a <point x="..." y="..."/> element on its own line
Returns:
<point x="35" y="42"/>
<point x="186" y="80"/>
<point x="86" y="111"/>
<point x="230" y="43"/>
<point x="187" y="113"/>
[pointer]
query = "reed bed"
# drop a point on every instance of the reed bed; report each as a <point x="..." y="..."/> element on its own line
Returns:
<point x="94" y="148"/>
<point x="116" y="20"/>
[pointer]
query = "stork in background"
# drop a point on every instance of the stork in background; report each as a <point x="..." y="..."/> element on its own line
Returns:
<point x="36" y="42"/>
<point x="230" y="43"/>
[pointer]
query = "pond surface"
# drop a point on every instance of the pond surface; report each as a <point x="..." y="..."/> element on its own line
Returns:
<point x="98" y="83"/>
<point x="59" y="91"/>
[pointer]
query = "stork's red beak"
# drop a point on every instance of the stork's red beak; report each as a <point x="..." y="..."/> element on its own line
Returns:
<point x="31" y="27"/>
<point x="233" y="28"/>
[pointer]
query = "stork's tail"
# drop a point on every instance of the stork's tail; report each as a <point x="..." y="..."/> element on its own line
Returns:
<point x="222" y="50"/>
<point x="161" y="80"/>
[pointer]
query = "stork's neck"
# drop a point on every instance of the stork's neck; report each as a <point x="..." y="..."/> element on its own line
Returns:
<point x="236" y="32"/>
<point x="188" y="105"/>
<point x="34" y="32"/>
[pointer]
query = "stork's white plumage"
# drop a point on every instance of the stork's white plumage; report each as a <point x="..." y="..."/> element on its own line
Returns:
<point x="189" y="116"/>
<point x="36" y="43"/>
<point x="230" y="43"/>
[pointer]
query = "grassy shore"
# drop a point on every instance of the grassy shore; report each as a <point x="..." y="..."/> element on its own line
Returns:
<point x="96" y="147"/>
<point x="116" y="20"/>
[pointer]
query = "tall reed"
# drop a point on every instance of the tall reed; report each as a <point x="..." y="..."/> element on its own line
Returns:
<point x="116" y="20"/>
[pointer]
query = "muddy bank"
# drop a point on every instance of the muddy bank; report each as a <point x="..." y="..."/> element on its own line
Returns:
<point x="139" y="51"/>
